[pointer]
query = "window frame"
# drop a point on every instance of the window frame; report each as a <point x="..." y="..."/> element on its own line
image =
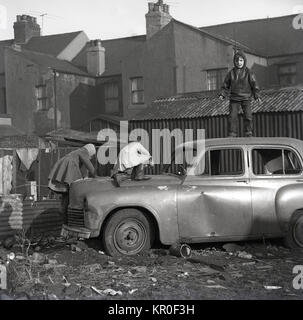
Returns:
<point x="43" y="98"/>
<point x="3" y="91"/>
<point x="218" y="83"/>
<point x="286" y="74"/>
<point x="299" y="158"/>
<point x="244" y="161"/>
<point x="135" y="91"/>
<point x="117" y="99"/>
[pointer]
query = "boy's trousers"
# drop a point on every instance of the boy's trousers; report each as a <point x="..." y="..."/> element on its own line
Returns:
<point x="234" y="107"/>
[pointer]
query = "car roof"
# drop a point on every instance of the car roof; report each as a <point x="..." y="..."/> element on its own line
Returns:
<point x="296" y="143"/>
<point x="254" y="141"/>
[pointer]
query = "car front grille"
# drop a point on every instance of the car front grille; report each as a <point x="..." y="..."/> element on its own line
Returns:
<point x="75" y="217"/>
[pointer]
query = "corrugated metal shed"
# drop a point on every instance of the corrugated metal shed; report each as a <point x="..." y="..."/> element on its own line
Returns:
<point x="280" y="114"/>
<point x="207" y="104"/>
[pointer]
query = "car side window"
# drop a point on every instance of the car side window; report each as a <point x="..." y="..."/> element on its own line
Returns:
<point x="224" y="162"/>
<point x="278" y="161"/>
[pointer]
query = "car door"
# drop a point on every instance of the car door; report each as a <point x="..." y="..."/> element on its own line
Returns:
<point x="215" y="202"/>
<point x="272" y="168"/>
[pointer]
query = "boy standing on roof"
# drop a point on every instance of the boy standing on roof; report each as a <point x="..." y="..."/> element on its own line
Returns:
<point x="241" y="85"/>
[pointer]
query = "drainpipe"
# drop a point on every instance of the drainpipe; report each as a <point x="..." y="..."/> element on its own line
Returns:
<point x="55" y="98"/>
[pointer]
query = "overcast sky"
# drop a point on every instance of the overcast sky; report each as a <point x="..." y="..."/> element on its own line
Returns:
<point x="121" y="18"/>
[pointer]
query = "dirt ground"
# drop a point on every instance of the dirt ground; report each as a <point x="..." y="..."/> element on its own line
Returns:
<point x="55" y="269"/>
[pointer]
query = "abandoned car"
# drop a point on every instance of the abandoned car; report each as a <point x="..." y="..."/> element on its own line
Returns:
<point x="237" y="189"/>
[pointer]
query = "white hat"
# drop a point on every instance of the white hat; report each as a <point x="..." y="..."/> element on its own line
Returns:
<point x="91" y="149"/>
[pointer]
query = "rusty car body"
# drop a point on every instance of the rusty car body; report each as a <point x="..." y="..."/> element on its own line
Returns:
<point x="247" y="188"/>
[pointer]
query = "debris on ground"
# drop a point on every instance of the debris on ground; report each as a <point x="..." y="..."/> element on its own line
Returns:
<point x="272" y="287"/>
<point x="37" y="257"/>
<point x="232" y="247"/>
<point x="231" y="271"/>
<point x="244" y="255"/>
<point x="216" y="286"/>
<point x="208" y="261"/>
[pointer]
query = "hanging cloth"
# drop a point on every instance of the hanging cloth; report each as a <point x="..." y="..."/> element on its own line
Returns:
<point x="27" y="156"/>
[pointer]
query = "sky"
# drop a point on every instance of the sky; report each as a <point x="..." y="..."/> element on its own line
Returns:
<point x="101" y="19"/>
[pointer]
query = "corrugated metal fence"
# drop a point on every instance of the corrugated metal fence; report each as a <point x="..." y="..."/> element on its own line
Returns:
<point x="16" y="211"/>
<point x="39" y="217"/>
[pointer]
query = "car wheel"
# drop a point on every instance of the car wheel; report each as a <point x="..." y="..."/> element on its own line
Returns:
<point x="294" y="238"/>
<point x="127" y="232"/>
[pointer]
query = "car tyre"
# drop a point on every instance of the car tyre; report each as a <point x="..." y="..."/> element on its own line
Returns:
<point x="127" y="232"/>
<point x="294" y="237"/>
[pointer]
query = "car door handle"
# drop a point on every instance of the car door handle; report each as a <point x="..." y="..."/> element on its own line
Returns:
<point x="299" y="180"/>
<point x="242" y="181"/>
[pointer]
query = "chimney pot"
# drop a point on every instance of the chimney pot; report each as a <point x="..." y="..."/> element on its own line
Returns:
<point x="25" y="28"/>
<point x="157" y="17"/>
<point x="95" y="55"/>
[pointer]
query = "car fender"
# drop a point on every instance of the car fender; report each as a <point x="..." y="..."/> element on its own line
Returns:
<point x="288" y="200"/>
<point x="100" y="207"/>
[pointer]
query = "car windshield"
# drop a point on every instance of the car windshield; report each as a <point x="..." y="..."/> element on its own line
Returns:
<point x="188" y="159"/>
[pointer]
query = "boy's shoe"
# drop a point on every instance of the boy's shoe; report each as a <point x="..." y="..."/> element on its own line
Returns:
<point x="248" y="134"/>
<point x="117" y="180"/>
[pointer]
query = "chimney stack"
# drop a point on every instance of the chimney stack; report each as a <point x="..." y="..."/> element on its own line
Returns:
<point x="157" y="17"/>
<point x="95" y="58"/>
<point x="25" y="28"/>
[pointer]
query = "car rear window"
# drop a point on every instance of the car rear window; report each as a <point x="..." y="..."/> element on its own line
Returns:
<point x="275" y="161"/>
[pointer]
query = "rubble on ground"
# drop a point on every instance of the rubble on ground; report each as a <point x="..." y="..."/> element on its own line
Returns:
<point x="50" y="268"/>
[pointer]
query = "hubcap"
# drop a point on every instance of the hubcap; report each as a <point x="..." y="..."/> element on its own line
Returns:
<point x="130" y="236"/>
<point x="298" y="231"/>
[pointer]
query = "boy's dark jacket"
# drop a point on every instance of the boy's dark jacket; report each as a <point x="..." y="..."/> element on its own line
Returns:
<point x="241" y="84"/>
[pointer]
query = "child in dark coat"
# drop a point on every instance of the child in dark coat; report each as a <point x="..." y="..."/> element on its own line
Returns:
<point x="73" y="166"/>
<point x="241" y="85"/>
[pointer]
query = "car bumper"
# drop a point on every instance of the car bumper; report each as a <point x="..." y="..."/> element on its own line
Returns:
<point x="78" y="232"/>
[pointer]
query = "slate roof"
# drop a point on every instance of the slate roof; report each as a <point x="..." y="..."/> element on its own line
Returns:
<point x="270" y="36"/>
<point x="52" y="44"/>
<point x="207" y="104"/>
<point x="51" y="62"/>
<point x="115" y="51"/>
<point x="221" y="37"/>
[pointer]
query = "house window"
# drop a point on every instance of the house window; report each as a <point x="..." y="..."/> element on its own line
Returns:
<point x="287" y="74"/>
<point x="3" y="101"/>
<point x="41" y="97"/>
<point x="215" y="78"/>
<point x="137" y="90"/>
<point x="111" y="97"/>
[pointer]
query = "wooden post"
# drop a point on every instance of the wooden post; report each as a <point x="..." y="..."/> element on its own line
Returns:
<point x="14" y="180"/>
<point x="3" y="277"/>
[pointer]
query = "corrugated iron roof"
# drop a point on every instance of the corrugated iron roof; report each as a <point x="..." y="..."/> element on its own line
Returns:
<point x="13" y="141"/>
<point x="207" y="104"/>
<point x="9" y="130"/>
